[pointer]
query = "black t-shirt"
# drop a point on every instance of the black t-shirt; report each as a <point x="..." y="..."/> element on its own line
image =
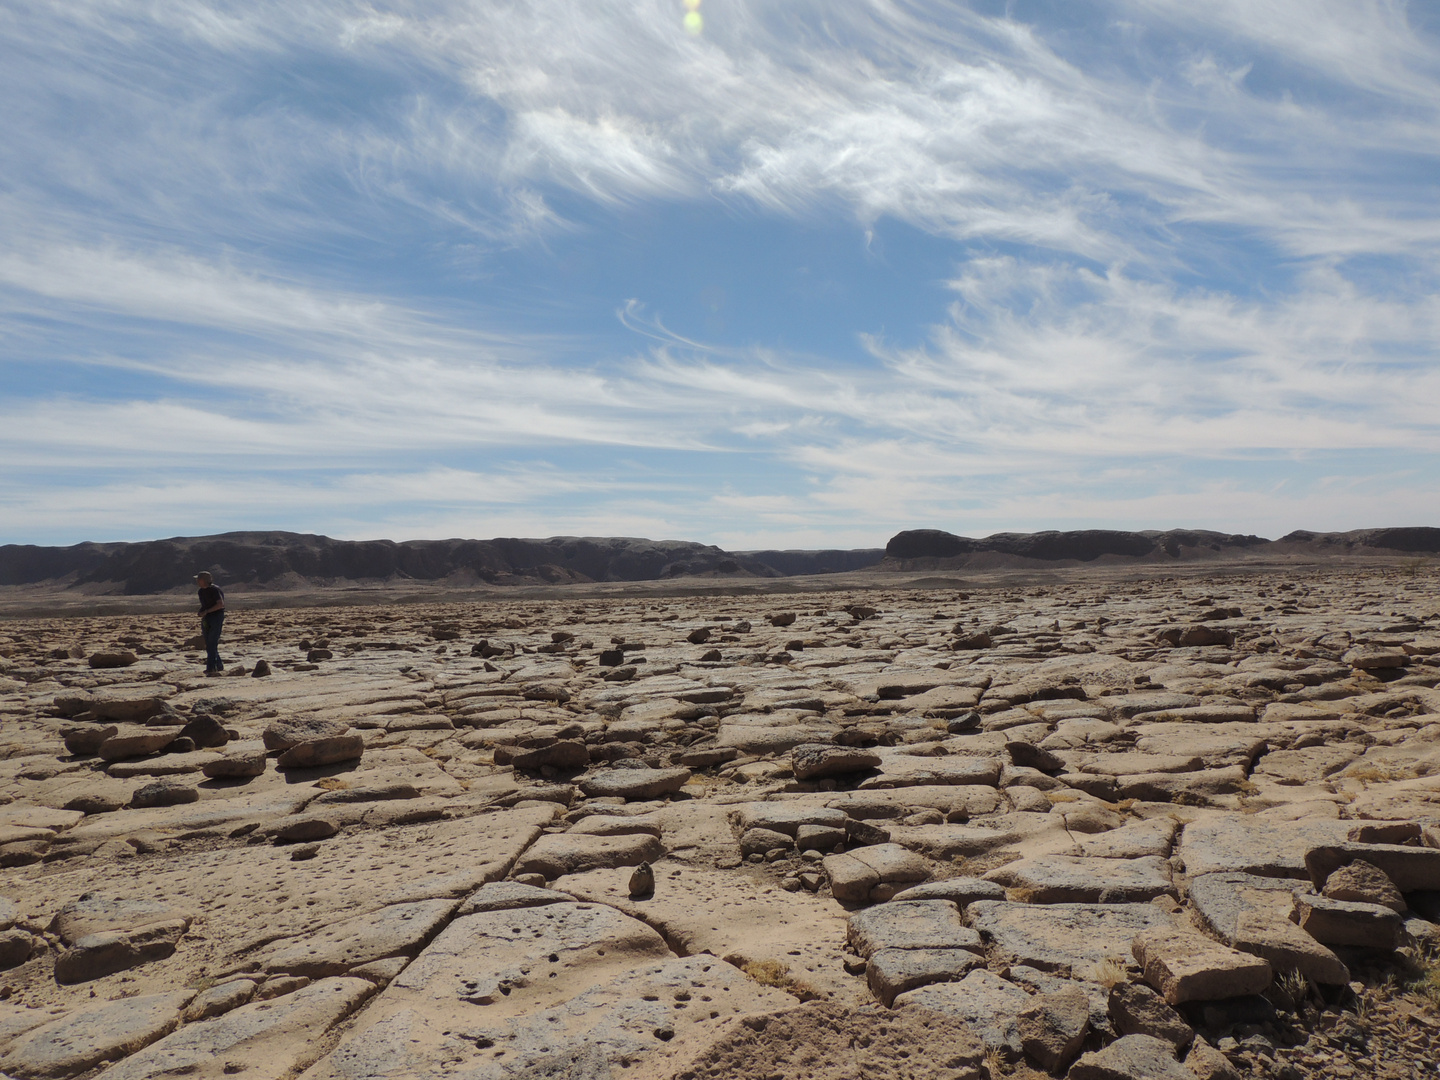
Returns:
<point x="210" y="595"/>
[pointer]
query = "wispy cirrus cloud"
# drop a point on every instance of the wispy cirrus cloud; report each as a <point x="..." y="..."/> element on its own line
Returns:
<point x="337" y="251"/>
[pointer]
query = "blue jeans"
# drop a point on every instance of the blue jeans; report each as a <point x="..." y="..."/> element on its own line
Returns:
<point x="210" y="627"/>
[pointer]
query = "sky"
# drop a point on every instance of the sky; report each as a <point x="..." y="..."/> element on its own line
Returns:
<point x="759" y="273"/>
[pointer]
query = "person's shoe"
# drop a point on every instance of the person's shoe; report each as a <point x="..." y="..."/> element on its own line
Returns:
<point x="212" y="673"/>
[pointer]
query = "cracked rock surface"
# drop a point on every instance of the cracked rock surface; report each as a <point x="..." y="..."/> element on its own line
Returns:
<point x="1092" y="826"/>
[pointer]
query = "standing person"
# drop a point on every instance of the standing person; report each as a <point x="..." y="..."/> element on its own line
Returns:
<point x="212" y="621"/>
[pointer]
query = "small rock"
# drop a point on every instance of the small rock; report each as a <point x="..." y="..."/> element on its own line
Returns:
<point x="1185" y="965"/>
<point x="262" y="669"/>
<point x="567" y="755"/>
<point x="642" y="881"/>
<point x="760" y="841"/>
<point x="1206" y="1063"/>
<point x="698" y="637"/>
<point x="112" y="659"/>
<point x="96" y="955"/>
<point x="635" y="783"/>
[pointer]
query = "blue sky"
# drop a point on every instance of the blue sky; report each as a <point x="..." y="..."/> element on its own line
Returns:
<point x="819" y="272"/>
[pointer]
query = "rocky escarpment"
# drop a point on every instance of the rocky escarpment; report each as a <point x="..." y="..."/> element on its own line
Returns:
<point x="934" y="547"/>
<point x="278" y="559"/>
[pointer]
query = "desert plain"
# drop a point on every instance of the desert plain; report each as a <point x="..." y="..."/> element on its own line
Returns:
<point x="1110" y="826"/>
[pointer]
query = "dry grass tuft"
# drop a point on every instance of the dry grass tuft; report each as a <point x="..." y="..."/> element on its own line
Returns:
<point x="1109" y="973"/>
<point x="332" y="783"/>
<point x="1425" y="984"/>
<point x="774" y="974"/>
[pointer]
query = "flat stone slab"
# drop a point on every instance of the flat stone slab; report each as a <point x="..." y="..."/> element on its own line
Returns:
<point x="961" y="891"/>
<point x="634" y="783"/>
<point x="95" y="912"/>
<point x="1069" y="879"/>
<point x="984" y="1000"/>
<point x="917" y="924"/>
<point x="908" y="770"/>
<point x="1252" y="913"/>
<point x="812" y="761"/>
<point x="784" y="818"/>
<point x="1347" y="922"/>
<point x="854" y="873"/>
<point x="1255" y="845"/>
<point x="81" y="1040"/>
<point x="558" y="854"/>
<point x="397" y="930"/>
<point x="892" y="972"/>
<point x="1063" y="938"/>
<point x="265" y="1040"/>
<point x="508" y="895"/>
<point x="1134" y="1057"/>
<point x="1185" y="965"/>
<point x="1412" y="869"/>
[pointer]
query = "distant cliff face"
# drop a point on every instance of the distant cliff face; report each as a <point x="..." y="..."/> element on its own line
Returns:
<point x="1087" y="545"/>
<point x="270" y="559"/>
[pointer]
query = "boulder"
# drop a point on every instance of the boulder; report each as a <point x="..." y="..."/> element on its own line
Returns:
<point x="84" y="740"/>
<point x="567" y="755"/>
<point x="206" y="732"/>
<point x="990" y="1004"/>
<point x="16" y="947"/>
<point x="1063" y="938"/>
<point x="119" y="659"/>
<point x="332" y="750"/>
<point x="1411" y="869"/>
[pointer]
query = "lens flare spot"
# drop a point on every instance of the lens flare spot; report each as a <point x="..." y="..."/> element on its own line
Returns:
<point x="694" y="23"/>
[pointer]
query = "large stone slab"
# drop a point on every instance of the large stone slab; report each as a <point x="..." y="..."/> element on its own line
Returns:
<point x="1063" y="938"/>
<point x="558" y="854"/>
<point x="1185" y="965"/>
<point x="81" y="1040"/>
<point x="1252" y="913"/>
<point x="1068" y="879"/>
<point x="265" y="1040"/>
<point x="892" y="972"/>
<point x="1134" y="1057"/>
<point x="396" y="930"/>
<point x="1255" y="845"/>
<point x="916" y="924"/>
<point x="593" y="1016"/>
<point x="982" y="999"/>
<point x="908" y="770"/>
<point x="634" y="783"/>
